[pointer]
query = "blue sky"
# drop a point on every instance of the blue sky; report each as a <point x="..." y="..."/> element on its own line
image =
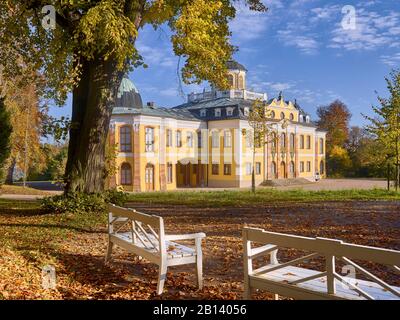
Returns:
<point x="299" y="47"/>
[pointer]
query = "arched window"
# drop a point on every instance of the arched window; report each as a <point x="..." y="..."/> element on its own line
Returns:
<point x="231" y="80"/>
<point x="126" y="174"/>
<point x="125" y="139"/>
<point x="272" y="115"/>
<point x="241" y="83"/>
<point x="283" y="140"/>
<point x="322" y="167"/>
<point x="291" y="117"/>
<point x="321" y="146"/>
<point x="273" y="169"/>
<point x="273" y="142"/>
<point x="292" y="141"/>
<point x="291" y="167"/>
<point x="282" y="115"/>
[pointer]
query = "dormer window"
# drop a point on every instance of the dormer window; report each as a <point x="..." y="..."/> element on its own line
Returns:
<point x="301" y="118"/>
<point x="229" y="112"/>
<point x="203" y="112"/>
<point x="217" y="112"/>
<point x="308" y="119"/>
<point x="246" y="112"/>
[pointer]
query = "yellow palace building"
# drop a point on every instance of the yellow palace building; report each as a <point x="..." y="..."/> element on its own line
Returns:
<point x="202" y="143"/>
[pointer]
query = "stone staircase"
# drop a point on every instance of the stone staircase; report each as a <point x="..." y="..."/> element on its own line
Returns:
<point x="287" y="182"/>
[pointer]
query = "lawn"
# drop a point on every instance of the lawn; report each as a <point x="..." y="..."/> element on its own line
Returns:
<point x="240" y="198"/>
<point x="75" y="245"/>
<point x="11" y="189"/>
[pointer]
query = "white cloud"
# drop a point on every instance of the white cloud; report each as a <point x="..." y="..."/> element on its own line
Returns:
<point x="392" y="61"/>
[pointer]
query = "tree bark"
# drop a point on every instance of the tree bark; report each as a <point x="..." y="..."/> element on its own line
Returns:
<point x="10" y="171"/>
<point x="93" y="102"/>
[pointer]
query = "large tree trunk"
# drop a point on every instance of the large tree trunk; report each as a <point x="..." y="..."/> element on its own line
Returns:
<point x="93" y="101"/>
<point x="10" y="171"/>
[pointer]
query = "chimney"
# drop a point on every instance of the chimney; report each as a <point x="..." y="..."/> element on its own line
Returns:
<point x="150" y="104"/>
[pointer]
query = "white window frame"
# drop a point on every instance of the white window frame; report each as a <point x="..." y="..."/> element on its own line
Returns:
<point x="189" y="139"/>
<point x="249" y="168"/>
<point x="215" y="139"/>
<point x="217" y="113"/>
<point x="149" y="139"/>
<point x="227" y="139"/>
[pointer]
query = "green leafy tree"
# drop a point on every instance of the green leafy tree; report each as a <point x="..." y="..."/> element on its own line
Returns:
<point x="386" y="125"/>
<point x="5" y="137"/>
<point x="261" y="132"/>
<point x="93" y="46"/>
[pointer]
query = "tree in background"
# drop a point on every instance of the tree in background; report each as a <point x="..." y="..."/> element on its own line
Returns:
<point x="386" y="125"/>
<point x="335" y="119"/>
<point x="260" y="134"/>
<point x="5" y="137"/>
<point x="93" y="46"/>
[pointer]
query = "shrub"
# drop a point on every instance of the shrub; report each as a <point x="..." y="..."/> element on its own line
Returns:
<point x="77" y="203"/>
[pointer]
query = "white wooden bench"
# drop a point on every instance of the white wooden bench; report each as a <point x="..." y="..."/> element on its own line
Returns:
<point x="144" y="235"/>
<point x="286" y="279"/>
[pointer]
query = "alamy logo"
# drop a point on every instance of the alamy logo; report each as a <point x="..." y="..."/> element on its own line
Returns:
<point x="349" y="21"/>
<point x="49" y="19"/>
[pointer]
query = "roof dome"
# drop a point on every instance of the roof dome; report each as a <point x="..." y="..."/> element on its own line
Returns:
<point x="128" y="95"/>
<point x="233" y="65"/>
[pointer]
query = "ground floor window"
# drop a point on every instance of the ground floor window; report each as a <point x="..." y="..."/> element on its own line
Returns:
<point x="126" y="174"/>
<point x="215" y="169"/>
<point x="308" y="166"/>
<point x="273" y="169"/>
<point x="322" y="168"/>
<point x="291" y="167"/>
<point x="258" y="168"/>
<point x="301" y="166"/>
<point x="169" y="173"/>
<point x="227" y="169"/>
<point x="248" y="169"/>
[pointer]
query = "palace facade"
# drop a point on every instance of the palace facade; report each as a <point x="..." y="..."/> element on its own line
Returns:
<point x="206" y="142"/>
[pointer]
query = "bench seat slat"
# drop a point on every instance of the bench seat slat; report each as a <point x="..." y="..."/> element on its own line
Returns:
<point x="288" y="274"/>
<point x="174" y="250"/>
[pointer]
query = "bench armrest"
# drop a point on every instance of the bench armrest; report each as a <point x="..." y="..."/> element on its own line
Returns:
<point x="185" y="236"/>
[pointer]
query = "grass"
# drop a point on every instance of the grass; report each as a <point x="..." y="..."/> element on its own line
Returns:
<point x="12" y="189"/>
<point x="247" y="198"/>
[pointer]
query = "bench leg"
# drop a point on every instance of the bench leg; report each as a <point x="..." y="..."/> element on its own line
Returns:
<point x="109" y="251"/>
<point x="162" y="275"/>
<point x="199" y="271"/>
<point x="247" y="291"/>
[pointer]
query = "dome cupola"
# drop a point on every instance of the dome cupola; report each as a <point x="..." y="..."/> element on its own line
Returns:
<point x="236" y="75"/>
<point x="128" y="95"/>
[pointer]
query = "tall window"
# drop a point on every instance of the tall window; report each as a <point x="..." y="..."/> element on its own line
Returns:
<point x="321" y="146"/>
<point x="178" y="139"/>
<point x="282" y="115"/>
<point x="301" y="142"/>
<point x="169" y="173"/>
<point x="227" y="139"/>
<point x="189" y="140"/>
<point x="322" y="167"/>
<point x="215" y="169"/>
<point x="215" y="139"/>
<point x="272" y="114"/>
<point x="258" y="168"/>
<point x="308" y="142"/>
<point x="241" y="83"/>
<point x="308" y="166"/>
<point x="283" y="140"/>
<point x="291" y="167"/>
<point x="248" y="168"/>
<point x="292" y="141"/>
<point x="302" y="166"/>
<point x="227" y="169"/>
<point x="249" y="139"/>
<point x="199" y="139"/>
<point x="231" y="80"/>
<point x="126" y="174"/>
<point x="291" y="117"/>
<point x="273" y="169"/>
<point x="149" y="139"/>
<point x="273" y="142"/>
<point x="125" y="139"/>
<point x="169" y="138"/>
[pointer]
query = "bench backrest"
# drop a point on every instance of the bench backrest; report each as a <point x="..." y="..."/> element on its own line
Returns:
<point x="146" y="229"/>
<point x="325" y="246"/>
<point x="329" y="249"/>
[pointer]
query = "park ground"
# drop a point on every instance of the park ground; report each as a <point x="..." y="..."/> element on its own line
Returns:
<point x="76" y="244"/>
